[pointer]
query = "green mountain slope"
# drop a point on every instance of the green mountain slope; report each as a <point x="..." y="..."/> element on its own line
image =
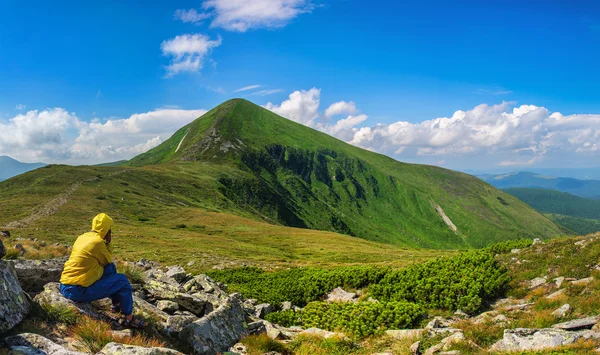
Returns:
<point x="284" y="172"/>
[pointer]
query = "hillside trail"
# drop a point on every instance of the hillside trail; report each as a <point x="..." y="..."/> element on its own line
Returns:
<point x="51" y="207"/>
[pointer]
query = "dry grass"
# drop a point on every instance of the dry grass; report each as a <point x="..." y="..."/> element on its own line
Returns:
<point x="260" y="344"/>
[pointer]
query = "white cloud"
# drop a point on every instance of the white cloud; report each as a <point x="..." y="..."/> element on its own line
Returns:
<point x="249" y="87"/>
<point x="267" y="92"/>
<point x="20" y="107"/>
<point x="302" y="106"/>
<point x="486" y="135"/>
<point x="57" y="136"/>
<point x="188" y="52"/>
<point x="341" y="107"/>
<point x="242" y="15"/>
<point x="190" y="16"/>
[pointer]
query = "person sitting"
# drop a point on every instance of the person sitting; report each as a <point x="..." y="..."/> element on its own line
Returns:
<point x="90" y="274"/>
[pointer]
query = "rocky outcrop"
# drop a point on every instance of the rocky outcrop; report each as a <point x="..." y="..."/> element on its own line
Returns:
<point x="121" y="349"/>
<point x="218" y="331"/>
<point x="521" y="339"/>
<point x="34" y="344"/>
<point x="2" y="250"/>
<point x="51" y="297"/>
<point x="35" y="274"/>
<point x="578" y="324"/>
<point x="321" y="333"/>
<point x="14" y="304"/>
<point x="339" y="295"/>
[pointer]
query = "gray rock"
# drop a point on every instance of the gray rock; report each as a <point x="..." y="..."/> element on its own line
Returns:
<point x="121" y="349"/>
<point x="20" y="248"/>
<point x="500" y="319"/>
<point x="339" y="295"/>
<point x="35" y="274"/>
<point x="175" y="293"/>
<point x="537" y="282"/>
<point x="460" y="314"/>
<point x="438" y="322"/>
<point x="239" y="348"/>
<point x="537" y="241"/>
<point x="176" y="272"/>
<point x="2" y="250"/>
<point x="5" y="234"/>
<point x="167" y="306"/>
<point x="51" y="297"/>
<point x="206" y="284"/>
<point x="578" y="324"/>
<point x="582" y="282"/>
<point x="446" y="343"/>
<point x="521" y="339"/>
<point x="562" y="311"/>
<point x="415" y="348"/>
<point x="34" y="344"/>
<point x="176" y="323"/>
<point x="262" y="310"/>
<point x="400" y="334"/>
<point x="556" y="294"/>
<point x="325" y="334"/>
<point x="14" y="305"/>
<point x="146" y="264"/>
<point x="559" y="281"/>
<point x="286" y="306"/>
<point x="218" y="331"/>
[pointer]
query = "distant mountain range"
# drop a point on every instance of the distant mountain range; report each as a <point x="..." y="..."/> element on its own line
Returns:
<point x="583" y="188"/>
<point x="10" y="167"/>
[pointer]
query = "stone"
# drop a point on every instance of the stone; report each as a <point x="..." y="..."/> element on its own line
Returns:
<point x="286" y="306"/>
<point x="176" y="323"/>
<point x="14" y="304"/>
<point x="451" y="352"/>
<point x="559" y="281"/>
<point x="321" y="333"/>
<point x="262" y="310"/>
<point x="562" y="311"/>
<point x="146" y="264"/>
<point x="51" y="297"/>
<point x="446" y="343"/>
<point x="578" y="324"/>
<point x="521" y="339"/>
<point x="176" y="272"/>
<point x="415" y="348"/>
<point x="556" y="294"/>
<point x="400" y="334"/>
<point x="582" y="282"/>
<point x="438" y="322"/>
<point x="255" y="328"/>
<point x="147" y="310"/>
<point x="339" y="295"/>
<point x="35" y="274"/>
<point x="167" y="306"/>
<point x="2" y="250"/>
<point x="515" y="251"/>
<point x="218" y="331"/>
<point x="205" y="284"/>
<point x="20" y="248"/>
<point x="175" y="293"/>
<point x="34" y="344"/>
<point x="5" y="234"/>
<point x="537" y="241"/>
<point x="518" y="307"/>
<point x="122" y="349"/>
<point x="239" y="348"/>
<point x="191" y="263"/>
<point x="537" y="282"/>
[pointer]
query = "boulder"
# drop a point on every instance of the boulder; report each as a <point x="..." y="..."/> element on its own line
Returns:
<point x="556" y="294"/>
<point x="321" y="333"/>
<point x="522" y="339"/>
<point x="218" y="331"/>
<point x="175" y="293"/>
<point x="205" y="284"/>
<point x="537" y="282"/>
<point x="261" y="310"/>
<point x="35" y="274"/>
<point x="562" y="311"/>
<point x="34" y="344"/>
<point x="239" y="348"/>
<point x="177" y="273"/>
<point x="446" y="343"/>
<point x="339" y="295"/>
<point x="500" y="319"/>
<point x="167" y="306"/>
<point x="415" y="348"/>
<point x="460" y="314"/>
<point x="2" y="250"/>
<point x="14" y="304"/>
<point x="537" y="241"/>
<point x="286" y="306"/>
<point x="20" y="248"/>
<point x="122" y="349"/>
<point x="559" y="281"/>
<point x="5" y="234"/>
<point x="582" y="282"/>
<point x="176" y="323"/>
<point x="438" y="322"/>
<point x="399" y="334"/>
<point x="51" y="297"/>
<point x="578" y="324"/>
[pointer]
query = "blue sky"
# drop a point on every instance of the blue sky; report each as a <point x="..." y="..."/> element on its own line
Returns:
<point x="89" y="68"/>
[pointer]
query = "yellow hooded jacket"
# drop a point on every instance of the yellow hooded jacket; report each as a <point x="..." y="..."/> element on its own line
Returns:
<point x="89" y="255"/>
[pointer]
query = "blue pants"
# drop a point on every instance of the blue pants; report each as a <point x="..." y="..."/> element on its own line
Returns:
<point x="111" y="285"/>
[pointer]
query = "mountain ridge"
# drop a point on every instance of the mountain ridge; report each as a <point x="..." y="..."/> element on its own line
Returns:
<point x="10" y="167"/>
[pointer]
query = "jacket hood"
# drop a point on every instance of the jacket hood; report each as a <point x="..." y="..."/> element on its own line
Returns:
<point x="101" y="224"/>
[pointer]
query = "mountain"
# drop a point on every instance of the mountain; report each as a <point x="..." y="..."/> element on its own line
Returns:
<point x="10" y="167"/>
<point x="582" y="188"/>
<point x="242" y="159"/>
<point x="573" y="212"/>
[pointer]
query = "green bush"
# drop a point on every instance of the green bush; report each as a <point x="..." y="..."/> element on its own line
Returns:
<point x="506" y="247"/>
<point x="300" y="285"/>
<point x="285" y="318"/>
<point x="361" y="319"/>
<point x="463" y="281"/>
